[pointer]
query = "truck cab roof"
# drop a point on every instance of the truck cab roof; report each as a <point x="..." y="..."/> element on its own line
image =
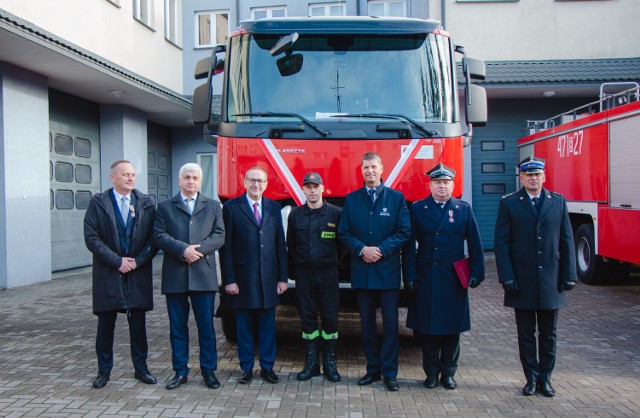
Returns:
<point x="341" y="24"/>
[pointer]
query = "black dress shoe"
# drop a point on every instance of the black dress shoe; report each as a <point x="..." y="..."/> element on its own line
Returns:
<point x="177" y="380"/>
<point x="430" y="382"/>
<point x="529" y="389"/>
<point x="546" y="389"/>
<point x="448" y="382"/>
<point x="211" y="380"/>
<point x="145" y="377"/>
<point x="269" y="375"/>
<point x="369" y="378"/>
<point x="245" y="377"/>
<point x="392" y="384"/>
<point x="101" y="380"/>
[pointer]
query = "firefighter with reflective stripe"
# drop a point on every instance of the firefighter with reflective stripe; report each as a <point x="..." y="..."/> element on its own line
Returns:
<point x="313" y="253"/>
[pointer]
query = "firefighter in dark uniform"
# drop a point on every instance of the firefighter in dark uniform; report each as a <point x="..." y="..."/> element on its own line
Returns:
<point x="313" y="251"/>
<point x="439" y="311"/>
<point x="536" y="266"/>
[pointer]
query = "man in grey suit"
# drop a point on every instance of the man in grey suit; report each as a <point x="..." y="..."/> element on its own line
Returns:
<point x="536" y="267"/>
<point x="189" y="228"/>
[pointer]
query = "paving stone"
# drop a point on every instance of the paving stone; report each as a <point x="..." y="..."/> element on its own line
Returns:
<point x="47" y="362"/>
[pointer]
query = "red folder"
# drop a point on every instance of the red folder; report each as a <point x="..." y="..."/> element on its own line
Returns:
<point x="463" y="271"/>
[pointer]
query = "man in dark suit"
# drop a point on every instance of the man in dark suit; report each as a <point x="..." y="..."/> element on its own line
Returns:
<point x="254" y="271"/>
<point x="118" y="230"/>
<point x="374" y="226"/>
<point x="439" y="310"/>
<point x="189" y="229"/>
<point x="536" y="267"/>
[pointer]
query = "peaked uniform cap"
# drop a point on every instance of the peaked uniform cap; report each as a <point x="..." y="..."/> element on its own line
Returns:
<point x="441" y="171"/>
<point x="532" y="164"/>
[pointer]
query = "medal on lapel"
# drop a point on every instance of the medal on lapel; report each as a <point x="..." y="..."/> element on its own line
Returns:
<point x="132" y="209"/>
<point x="451" y="216"/>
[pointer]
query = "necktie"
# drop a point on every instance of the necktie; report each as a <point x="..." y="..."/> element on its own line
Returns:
<point x="256" y="213"/>
<point x="372" y="195"/>
<point x="187" y="202"/>
<point x="441" y="206"/>
<point x="124" y="209"/>
<point x="536" y="203"/>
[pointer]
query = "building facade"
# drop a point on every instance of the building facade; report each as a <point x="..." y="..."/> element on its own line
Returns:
<point x="86" y="82"/>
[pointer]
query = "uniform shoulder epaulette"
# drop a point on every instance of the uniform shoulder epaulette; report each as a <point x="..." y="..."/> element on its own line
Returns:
<point x="557" y="194"/>
<point x="510" y="194"/>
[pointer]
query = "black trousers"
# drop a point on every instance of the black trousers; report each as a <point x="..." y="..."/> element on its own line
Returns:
<point x="137" y="335"/>
<point x="538" y="360"/>
<point x="440" y="354"/>
<point x="317" y="291"/>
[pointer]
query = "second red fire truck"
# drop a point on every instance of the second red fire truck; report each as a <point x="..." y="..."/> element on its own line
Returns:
<point x="593" y="155"/>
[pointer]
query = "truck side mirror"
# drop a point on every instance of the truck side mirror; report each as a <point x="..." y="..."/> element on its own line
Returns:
<point x="202" y="95"/>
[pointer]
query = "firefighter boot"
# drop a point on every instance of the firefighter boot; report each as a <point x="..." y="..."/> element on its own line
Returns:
<point x="330" y="370"/>
<point x="312" y="364"/>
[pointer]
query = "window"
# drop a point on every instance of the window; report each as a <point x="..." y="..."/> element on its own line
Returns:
<point x="212" y="27"/>
<point x="327" y="9"/>
<point x="492" y="145"/>
<point x="488" y="1"/>
<point x="172" y="21"/>
<point x="63" y="144"/>
<point x="143" y="12"/>
<point x="64" y="199"/>
<point x="209" y="163"/>
<point x="262" y="12"/>
<point x="492" y="167"/>
<point x="82" y="147"/>
<point x="498" y="188"/>
<point x="388" y="8"/>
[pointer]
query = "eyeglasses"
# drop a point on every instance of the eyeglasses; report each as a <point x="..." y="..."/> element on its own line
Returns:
<point x="259" y="182"/>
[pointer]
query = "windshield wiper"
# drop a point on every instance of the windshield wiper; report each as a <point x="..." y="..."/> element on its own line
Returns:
<point x="290" y="115"/>
<point x="429" y="133"/>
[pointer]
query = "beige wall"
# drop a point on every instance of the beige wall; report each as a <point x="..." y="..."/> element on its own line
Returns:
<point x="110" y="32"/>
<point x="544" y="29"/>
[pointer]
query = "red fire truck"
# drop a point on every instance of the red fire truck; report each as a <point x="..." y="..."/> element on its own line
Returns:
<point x="315" y="94"/>
<point x="592" y="155"/>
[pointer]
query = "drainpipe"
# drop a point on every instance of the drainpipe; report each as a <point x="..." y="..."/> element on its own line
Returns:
<point x="443" y="13"/>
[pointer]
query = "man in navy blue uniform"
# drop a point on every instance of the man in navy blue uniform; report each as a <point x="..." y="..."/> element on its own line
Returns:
<point x="439" y="310"/>
<point x="536" y="267"/>
<point x="254" y="271"/>
<point x="374" y="226"/>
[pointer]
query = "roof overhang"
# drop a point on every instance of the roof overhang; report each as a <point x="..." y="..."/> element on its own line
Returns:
<point x="81" y="73"/>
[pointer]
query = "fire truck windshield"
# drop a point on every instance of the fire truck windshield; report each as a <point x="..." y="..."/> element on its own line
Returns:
<point x="324" y="76"/>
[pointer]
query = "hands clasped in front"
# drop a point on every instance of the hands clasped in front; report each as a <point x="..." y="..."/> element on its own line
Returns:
<point x="128" y="264"/>
<point x="191" y="254"/>
<point x="371" y="254"/>
<point x="233" y="289"/>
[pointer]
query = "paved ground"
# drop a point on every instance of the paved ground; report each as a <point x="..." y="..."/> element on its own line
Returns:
<point x="47" y="362"/>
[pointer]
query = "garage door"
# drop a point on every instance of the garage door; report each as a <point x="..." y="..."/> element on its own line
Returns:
<point x="74" y="174"/>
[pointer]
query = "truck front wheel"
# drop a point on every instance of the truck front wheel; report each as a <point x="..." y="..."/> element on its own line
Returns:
<point x="588" y="265"/>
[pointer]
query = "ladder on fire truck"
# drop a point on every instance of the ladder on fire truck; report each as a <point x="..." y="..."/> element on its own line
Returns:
<point x="605" y="101"/>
